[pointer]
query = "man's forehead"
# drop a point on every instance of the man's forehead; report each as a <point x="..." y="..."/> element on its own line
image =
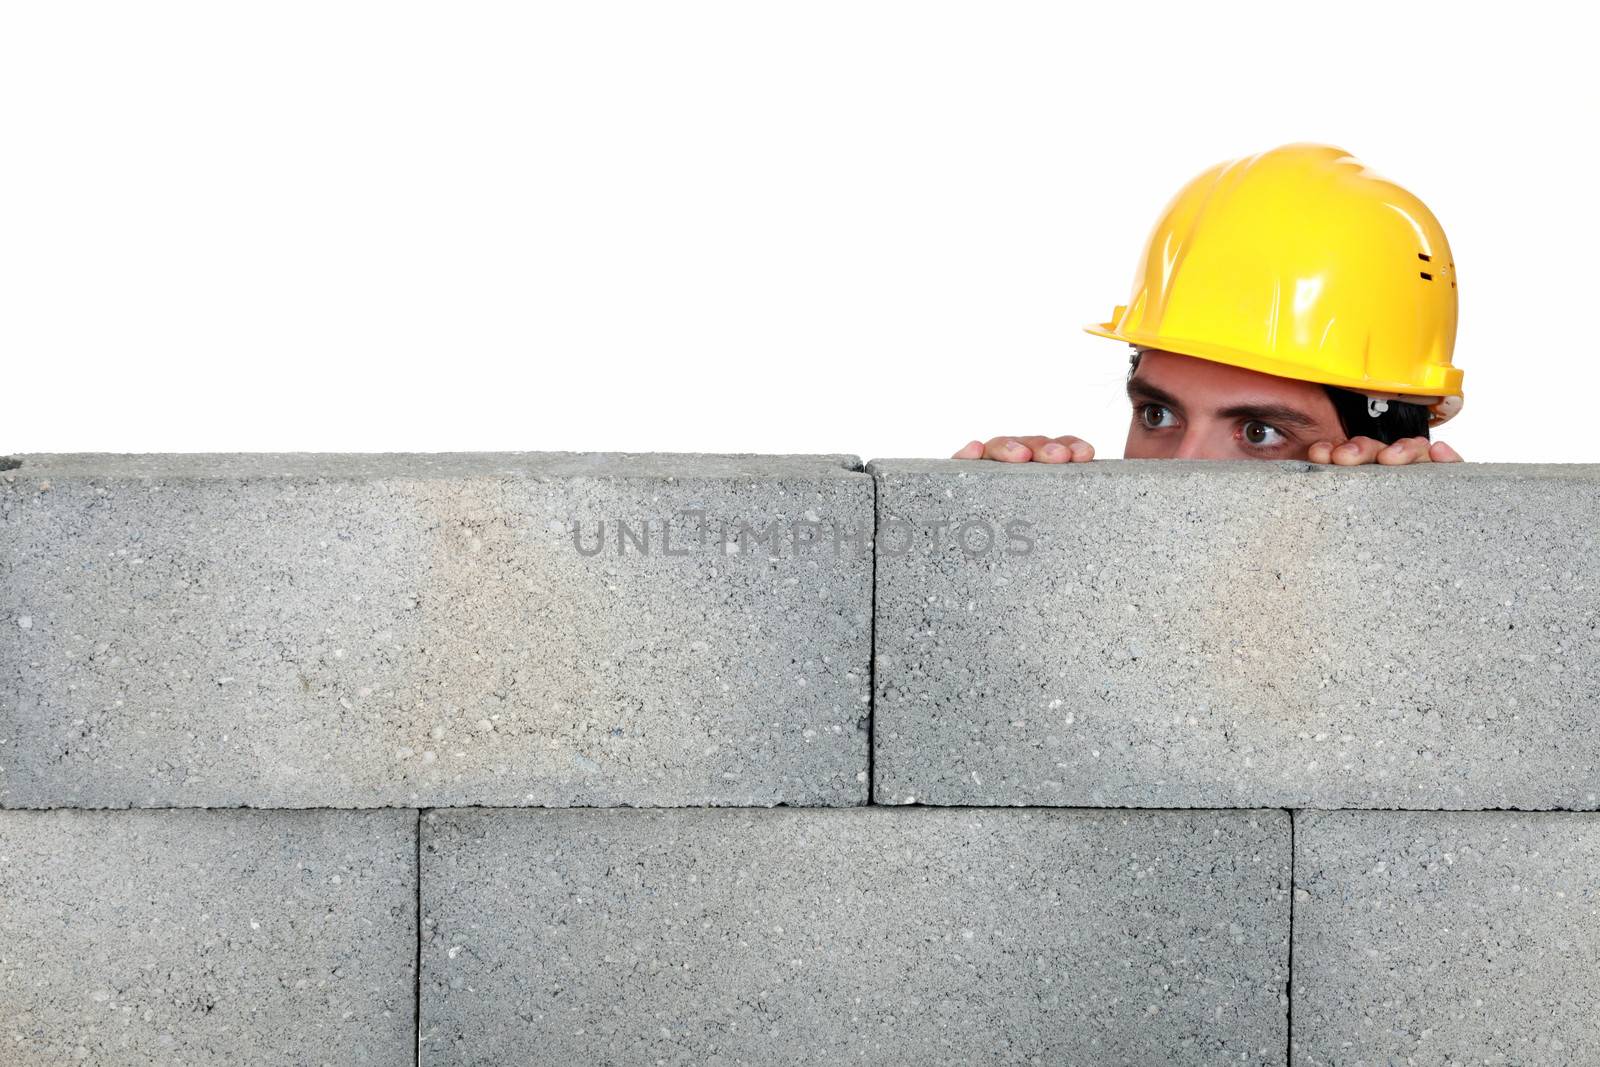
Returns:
<point x="1189" y="395"/>
<point x="1203" y="381"/>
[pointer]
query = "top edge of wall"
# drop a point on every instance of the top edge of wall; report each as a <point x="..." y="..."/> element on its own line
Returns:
<point x="435" y="465"/>
<point x="425" y="465"/>
<point x="1245" y="467"/>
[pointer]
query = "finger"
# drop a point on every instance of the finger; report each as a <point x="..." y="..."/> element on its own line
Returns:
<point x="970" y="450"/>
<point x="1065" y="449"/>
<point x="1052" y="452"/>
<point x="1356" y="451"/>
<point x="1036" y="444"/>
<point x="1320" y="452"/>
<point x="1406" y="450"/>
<point x="1079" y="450"/>
<point x="1007" y="450"/>
<point x="1443" y="453"/>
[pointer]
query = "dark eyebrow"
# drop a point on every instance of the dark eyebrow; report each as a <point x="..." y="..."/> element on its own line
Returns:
<point x="1142" y="390"/>
<point x="1278" y="413"/>
<point x="1270" y="413"/>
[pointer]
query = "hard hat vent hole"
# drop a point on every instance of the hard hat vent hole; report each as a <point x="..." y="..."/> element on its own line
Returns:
<point x="1425" y="275"/>
<point x="1424" y="257"/>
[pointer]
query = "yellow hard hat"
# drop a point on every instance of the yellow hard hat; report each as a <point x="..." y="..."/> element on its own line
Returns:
<point x="1302" y="263"/>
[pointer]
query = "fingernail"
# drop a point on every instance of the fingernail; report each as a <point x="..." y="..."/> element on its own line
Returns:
<point x="1012" y="448"/>
<point x="1052" y="450"/>
<point x="1347" y="450"/>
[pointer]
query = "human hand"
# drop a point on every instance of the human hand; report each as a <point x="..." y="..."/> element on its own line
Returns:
<point x="1066" y="449"/>
<point x="1359" y="450"/>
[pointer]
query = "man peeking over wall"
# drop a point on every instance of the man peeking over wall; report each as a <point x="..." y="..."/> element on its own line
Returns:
<point x="1289" y="305"/>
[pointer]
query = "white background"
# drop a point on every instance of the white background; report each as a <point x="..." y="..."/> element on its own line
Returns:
<point x="862" y="227"/>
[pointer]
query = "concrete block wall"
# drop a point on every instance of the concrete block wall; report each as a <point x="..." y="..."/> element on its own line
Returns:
<point x="1193" y="634"/>
<point x="363" y="631"/>
<point x="515" y="758"/>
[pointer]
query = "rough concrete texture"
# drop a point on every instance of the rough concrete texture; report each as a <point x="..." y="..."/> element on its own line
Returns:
<point x="1447" y="937"/>
<point x="1240" y="635"/>
<point x="372" y="630"/>
<point x="886" y="936"/>
<point x="207" y="938"/>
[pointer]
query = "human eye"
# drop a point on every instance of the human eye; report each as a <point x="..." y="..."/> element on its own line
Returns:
<point x="1259" y="434"/>
<point x="1150" y="416"/>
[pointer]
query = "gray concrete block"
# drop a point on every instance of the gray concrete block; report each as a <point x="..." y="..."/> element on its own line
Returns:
<point x="375" y="630"/>
<point x="1447" y="937"/>
<point x="872" y="935"/>
<point x="207" y="938"/>
<point x="1176" y="634"/>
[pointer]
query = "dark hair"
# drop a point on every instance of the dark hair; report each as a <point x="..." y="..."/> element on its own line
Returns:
<point x="1402" y="419"/>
